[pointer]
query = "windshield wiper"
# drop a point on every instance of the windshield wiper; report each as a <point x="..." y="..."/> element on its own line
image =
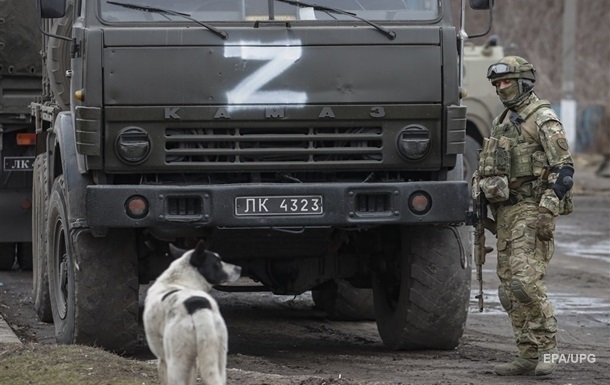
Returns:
<point x="390" y="34"/>
<point x="146" y="8"/>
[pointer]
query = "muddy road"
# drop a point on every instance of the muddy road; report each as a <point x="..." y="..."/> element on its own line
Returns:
<point x="279" y="340"/>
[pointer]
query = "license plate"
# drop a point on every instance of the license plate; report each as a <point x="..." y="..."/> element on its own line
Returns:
<point x="18" y="163"/>
<point x="279" y="205"/>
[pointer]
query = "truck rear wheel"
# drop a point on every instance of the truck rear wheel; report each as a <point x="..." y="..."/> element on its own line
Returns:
<point x="343" y="302"/>
<point x="7" y="256"/>
<point x="422" y="290"/>
<point x="24" y="255"/>
<point x="93" y="281"/>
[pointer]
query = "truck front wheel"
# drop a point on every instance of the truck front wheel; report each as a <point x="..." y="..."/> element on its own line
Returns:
<point x="93" y="282"/>
<point x="40" y="277"/>
<point x="422" y="288"/>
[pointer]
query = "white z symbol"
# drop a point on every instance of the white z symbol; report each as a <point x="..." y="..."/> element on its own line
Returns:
<point x="281" y="58"/>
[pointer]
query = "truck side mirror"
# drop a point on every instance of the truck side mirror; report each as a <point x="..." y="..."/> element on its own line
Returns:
<point x="52" y="9"/>
<point x="481" y="4"/>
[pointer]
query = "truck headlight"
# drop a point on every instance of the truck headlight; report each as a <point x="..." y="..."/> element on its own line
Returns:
<point x="414" y="142"/>
<point x="132" y="145"/>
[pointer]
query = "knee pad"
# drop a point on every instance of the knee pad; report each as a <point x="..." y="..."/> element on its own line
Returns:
<point x="520" y="291"/>
<point x="504" y="298"/>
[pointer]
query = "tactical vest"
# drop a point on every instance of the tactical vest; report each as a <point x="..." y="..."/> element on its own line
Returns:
<point x="514" y="148"/>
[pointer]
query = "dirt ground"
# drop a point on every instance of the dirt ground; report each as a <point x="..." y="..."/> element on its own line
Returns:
<point x="284" y="340"/>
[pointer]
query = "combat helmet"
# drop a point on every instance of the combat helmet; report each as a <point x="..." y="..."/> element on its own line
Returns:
<point x="513" y="67"/>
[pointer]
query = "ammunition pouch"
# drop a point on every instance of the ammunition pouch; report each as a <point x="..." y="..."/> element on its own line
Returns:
<point x="494" y="159"/>
<point x="495" y="188"/>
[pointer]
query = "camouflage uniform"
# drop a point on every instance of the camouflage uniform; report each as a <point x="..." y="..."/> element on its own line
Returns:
<point x="518" y="167"/>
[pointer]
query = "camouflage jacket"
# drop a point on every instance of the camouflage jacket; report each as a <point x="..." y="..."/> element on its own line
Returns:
<point x="545" y="129"/>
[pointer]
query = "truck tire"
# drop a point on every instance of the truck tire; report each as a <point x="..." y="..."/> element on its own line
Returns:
<point x="7" y="256"/>
<point x="40" y="275"/>
<point x="343" y="302"/>
<point x="93" y="281"/>
<point x="422" y="294"/>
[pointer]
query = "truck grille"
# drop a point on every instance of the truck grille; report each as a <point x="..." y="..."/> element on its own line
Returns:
<point x="274" y="146"/>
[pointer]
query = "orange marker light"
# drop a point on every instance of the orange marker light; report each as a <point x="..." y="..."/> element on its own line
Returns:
<point x="26" y="139"/>
<point x="137" y="207"/>
<point x="79" y="95"/>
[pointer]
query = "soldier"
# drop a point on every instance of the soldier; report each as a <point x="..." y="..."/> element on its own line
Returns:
<point x="525" y="171"/>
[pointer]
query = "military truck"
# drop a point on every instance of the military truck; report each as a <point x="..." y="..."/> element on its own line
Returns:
<point x="481" y="101"/>
<point x="20" y="84"/>
<point x="308" y="143"/>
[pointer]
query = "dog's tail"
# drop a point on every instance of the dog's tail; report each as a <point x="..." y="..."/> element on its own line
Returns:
<point x="211" y="337"/>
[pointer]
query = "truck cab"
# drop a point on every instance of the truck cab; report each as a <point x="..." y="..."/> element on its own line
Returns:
<point x="308" y="143"/>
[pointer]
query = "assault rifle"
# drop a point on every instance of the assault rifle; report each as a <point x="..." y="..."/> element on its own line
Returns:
<point x="481" y="222"/>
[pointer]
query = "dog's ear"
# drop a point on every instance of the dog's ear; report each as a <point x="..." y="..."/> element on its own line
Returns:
<point x="176" y="252"/>
<point x="199" y="254"/>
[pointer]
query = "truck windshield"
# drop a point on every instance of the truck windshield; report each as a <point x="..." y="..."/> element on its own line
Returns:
<point x="255" y="10"/>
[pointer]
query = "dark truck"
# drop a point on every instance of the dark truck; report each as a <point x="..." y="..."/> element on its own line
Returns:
<point x="310" y="144"/>
<point x="20" y="84"/>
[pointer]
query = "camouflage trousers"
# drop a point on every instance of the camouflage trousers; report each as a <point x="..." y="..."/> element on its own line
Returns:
<point x="522" y="262"/>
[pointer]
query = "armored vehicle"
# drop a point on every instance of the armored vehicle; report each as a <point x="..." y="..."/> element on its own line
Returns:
<point x="312" y="144"/>
<point x="20" y="84"/>
<point x="481" y="101"/>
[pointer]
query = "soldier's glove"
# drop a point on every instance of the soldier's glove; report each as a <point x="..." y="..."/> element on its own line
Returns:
<point x="545" y="225"/>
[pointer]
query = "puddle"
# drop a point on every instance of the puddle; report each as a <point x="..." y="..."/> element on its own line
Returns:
<point x="578" y="241"/>
<point x="598" y="250"/>
<point x="565" y="303"/>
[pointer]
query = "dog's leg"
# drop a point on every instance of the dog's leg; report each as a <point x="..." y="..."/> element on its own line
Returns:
<point x="181" y="370"/>
<point x="223" y="339"/>
<point x="208" y="360"/>
<point x="162" y="370"/>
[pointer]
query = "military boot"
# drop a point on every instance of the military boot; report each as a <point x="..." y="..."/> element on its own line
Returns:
<point x="546" y="363"/>
<point x="519" y="366"/>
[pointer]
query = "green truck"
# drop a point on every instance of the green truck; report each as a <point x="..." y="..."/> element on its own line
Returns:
<point x="311" y="144"/>
<point x="20" y="84"/>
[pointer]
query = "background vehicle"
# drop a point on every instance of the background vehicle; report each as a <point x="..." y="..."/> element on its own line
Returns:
<point x="241" y="122"/>
<point x="20" y="83"/>
<point x="482" y="102"/>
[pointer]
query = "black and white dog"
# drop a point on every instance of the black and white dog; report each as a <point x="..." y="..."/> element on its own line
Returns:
<point x="184" y="328"/>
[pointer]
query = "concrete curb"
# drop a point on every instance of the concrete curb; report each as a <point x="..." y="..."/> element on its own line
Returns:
<point x="7" y="336"/>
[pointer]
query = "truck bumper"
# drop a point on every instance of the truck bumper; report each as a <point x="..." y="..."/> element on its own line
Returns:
<point x="343" y="204"/>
